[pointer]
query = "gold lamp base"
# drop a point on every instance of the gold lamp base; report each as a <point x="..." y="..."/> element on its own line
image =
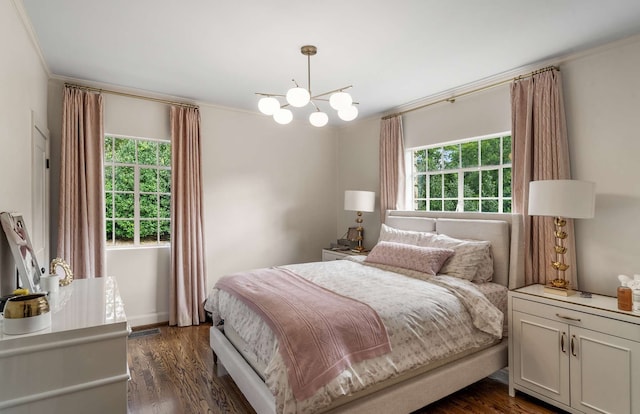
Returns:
<point x="559" y="287"/>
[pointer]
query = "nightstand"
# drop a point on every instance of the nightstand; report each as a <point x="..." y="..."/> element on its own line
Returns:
<point x="579" y="354"/>
<point x="328" y="254"/>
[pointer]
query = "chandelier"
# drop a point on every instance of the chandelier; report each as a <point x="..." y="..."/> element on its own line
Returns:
<point x="299" y="97"/>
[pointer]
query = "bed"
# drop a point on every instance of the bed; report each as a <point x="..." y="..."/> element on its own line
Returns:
<point x="240" y="354"/>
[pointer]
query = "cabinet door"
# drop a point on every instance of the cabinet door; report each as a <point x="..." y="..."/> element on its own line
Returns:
<point x="541" y="350"/>
<point x="605" y="373"/>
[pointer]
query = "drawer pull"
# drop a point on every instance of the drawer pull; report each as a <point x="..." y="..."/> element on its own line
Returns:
<point x="569" y="318"/>
<point x="562" y="338"/>
<point x="573" y="346"/>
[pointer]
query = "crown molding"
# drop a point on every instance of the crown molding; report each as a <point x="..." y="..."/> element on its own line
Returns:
<point x="26" y="22"/>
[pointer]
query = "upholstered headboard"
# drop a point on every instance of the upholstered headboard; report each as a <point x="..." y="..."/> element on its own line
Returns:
<point x="502" y="230"/>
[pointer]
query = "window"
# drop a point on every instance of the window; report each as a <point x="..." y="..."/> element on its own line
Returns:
<point x="468" y="175"/>
<point x="137" y="183"/>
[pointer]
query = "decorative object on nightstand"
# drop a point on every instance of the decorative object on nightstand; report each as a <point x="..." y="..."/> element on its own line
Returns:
<point x="561" y="199"/>
<point x="359" y="201"/>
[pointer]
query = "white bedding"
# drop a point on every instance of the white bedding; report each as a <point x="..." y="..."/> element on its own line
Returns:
<point x="427" y="321"/>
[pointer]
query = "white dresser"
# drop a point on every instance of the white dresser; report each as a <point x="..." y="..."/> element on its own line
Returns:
<point x="579" y="354"/>
<point x="79" y="364"/>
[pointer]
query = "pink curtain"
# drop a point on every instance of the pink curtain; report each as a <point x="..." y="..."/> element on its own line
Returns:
<point x="187" y="292"/>
<point x="392" y="177"/>
<point x="540" y="152"/>
<point x="81" y="225"/>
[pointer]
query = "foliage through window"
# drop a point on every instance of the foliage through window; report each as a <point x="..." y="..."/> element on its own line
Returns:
<point x="468" y="175"/>
<point x="137" y="181"/>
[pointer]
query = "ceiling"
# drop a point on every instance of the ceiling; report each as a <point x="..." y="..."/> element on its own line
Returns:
<point x="393" y="53"/>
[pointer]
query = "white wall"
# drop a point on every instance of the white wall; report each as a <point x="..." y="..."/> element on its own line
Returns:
<point x="602" y="103"/>
<point x="602" y="100"/>
<point x="24" y="89"/>
<point x="269" y="195"/>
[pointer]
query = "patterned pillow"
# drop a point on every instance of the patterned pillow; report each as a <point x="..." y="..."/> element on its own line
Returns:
<point x="391" y="234"/>
<point x="472" y="259"/>
<point x="423" y="259"/>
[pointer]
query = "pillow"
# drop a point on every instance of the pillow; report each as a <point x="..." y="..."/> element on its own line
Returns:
<point x="391" y="234"/>
<point x="472" y="259"/>
<point x="423" y="259"/>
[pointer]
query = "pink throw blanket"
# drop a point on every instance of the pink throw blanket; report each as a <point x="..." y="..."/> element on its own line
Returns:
<point x="320" y="332"/>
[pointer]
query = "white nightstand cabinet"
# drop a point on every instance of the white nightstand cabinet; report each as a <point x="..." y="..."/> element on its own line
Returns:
<point x="579" y="354"/>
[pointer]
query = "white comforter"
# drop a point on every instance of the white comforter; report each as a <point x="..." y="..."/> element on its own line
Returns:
<point x="426" y="321"/>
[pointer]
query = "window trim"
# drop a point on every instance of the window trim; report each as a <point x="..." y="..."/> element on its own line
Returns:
<point x="110" y="245"/>
<point x="411" y="174"/>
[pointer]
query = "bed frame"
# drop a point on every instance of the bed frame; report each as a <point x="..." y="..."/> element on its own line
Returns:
<point x="503" y="230"/>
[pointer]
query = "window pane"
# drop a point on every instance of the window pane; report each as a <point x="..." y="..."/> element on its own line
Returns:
<point x="165" y="206"/>
<point x="451" y="157"/>
<point x="164" y="185"/>
<point x="506" y="149"/>
<point x="435" y="159"/>
<point x="421" y="205"/>
<point x="451" y="185"/>
<point x="435" y="205"/>
<point x="165" y="154"/>
<point x="489" y="183"/>
<point x="148" y="206"/>
<point x="124" y="231"/>
<point x="489" y="206"/>
<point x="147" y="153"/>
<point x="125" y="150"/>
<point x="506" y="206"/>
<point x="490" y="151"/>
<point x="108" y="178"/>
<point x="123" y="205"/>
<point x="420" y="187"/>
<point x="435" y="186"/>
<point x="123" y="178"/>
<point x="109" y="224"/>
<point x="108" y="204"/>
<point x="148" y="179"/>
<point x="108" y="149"/>
<point x="506" y="182"/>
<point x="450" y="205"/>
<point x="470" y="154"/>
<point x="420" y="160"/>
<point x="471" y="205"/>
<point x="148" y="231"/>
<point x="472" y="184"/>
<point x="165" y="230"/>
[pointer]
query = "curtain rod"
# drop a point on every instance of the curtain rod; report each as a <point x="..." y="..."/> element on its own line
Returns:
<point x="130" y="95"/>
<point x="484" y="88"/>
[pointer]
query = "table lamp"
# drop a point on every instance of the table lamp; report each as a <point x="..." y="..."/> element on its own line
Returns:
<point x="561" y="199"/>
<point x="359" y="201"/>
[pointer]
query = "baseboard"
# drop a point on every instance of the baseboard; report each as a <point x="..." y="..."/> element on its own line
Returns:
<point x="148" y="319"/>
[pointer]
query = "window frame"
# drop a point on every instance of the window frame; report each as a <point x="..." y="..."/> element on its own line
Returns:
<point x="137" y="219"/>
<point x="411" y="175"/>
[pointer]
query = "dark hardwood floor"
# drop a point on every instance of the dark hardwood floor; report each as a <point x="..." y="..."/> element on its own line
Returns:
<point x="171" y="372"/>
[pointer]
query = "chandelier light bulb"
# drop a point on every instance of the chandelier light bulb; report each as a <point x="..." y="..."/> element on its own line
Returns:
<point x="298" y="97"/>
<point x="268" y="105"/>
<point x="318" y="119"/>
<point x="340" y="101"/>
<point x="348" y="114"/>
<point x="283" y="116"/>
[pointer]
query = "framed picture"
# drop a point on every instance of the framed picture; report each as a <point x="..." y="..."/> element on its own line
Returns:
<point x="22" y="250"/>
<point x="352" y="234"/>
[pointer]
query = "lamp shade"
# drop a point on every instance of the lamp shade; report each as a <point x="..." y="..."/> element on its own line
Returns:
<point x="359" y="200"/>
<point x="562" y="198"/>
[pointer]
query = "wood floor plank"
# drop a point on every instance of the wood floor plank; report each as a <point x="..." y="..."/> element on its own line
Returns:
<point x="172" y="373"/>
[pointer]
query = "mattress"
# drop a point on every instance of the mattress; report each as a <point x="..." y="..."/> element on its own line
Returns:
<point x="453" y="331"/>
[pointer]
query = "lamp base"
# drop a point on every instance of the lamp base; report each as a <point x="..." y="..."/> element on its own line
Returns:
<point x="559" y="290"/>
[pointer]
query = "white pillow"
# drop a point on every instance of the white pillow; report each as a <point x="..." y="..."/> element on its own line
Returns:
<point x="391" y="234"/>
<point x="472" y="259"/>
